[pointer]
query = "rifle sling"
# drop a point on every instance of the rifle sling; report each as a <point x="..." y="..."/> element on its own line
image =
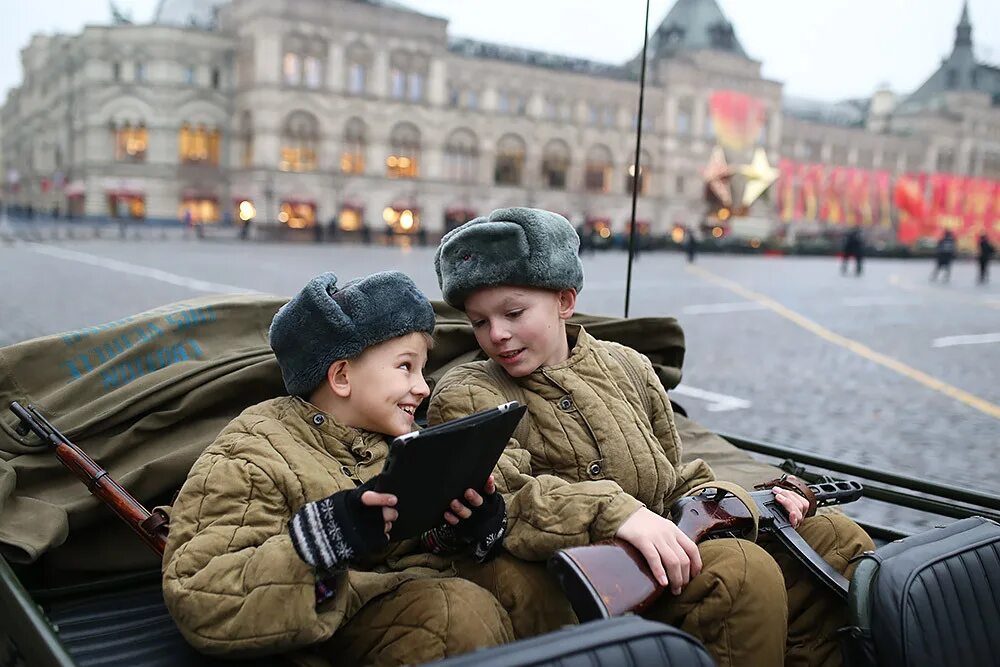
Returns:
<point x="741" y="494"/>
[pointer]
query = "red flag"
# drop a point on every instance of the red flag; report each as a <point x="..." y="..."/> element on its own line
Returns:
<point x="908" y="194"/>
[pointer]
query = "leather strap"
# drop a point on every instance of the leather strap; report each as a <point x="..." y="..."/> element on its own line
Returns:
<point x="740" y="493"/>
<point x="796" y="484"/>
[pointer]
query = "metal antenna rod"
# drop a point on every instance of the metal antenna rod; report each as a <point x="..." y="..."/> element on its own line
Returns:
<point x="636" y="174"/>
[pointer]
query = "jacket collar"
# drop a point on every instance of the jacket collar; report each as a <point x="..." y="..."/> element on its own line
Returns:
<point x="545" y="380"/>
<point x="581" y="345"/>
<point x="335" y="437"/>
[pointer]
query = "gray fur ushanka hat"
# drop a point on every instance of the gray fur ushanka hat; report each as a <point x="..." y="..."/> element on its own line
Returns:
<point x="324" y="323"/>
<point x="528" y="247"/>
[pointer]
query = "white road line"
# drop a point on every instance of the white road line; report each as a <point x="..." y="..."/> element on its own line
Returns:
<point x="973" y="339"/>
<point x="713" y="308"/>
<point x="716" y="402"/>
<point x="137" y="270"/>
<point x="860" y="301"/>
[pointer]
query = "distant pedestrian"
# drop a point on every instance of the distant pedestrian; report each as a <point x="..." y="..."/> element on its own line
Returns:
<point x="854" y="246"/>
<point x="588" y="243"/>
<point x="986" y="251"/>
<point x="944" y="256"/>
<point x="690" y="244"/>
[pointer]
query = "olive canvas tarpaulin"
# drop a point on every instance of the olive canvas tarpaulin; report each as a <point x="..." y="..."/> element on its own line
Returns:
<point x="144" y="395"/>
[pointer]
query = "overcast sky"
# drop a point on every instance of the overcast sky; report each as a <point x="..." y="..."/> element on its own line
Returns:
<point x="822" y="49"/>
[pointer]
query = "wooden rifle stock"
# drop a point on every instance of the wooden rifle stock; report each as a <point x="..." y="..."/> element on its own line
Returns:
<point x="613" y="578"/>
<point x="151" y="527"/>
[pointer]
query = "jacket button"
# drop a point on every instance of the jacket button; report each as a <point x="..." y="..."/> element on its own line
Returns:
<point x="594" y="469"/>
<point x="566" y="403"/>
<point x="318" y="420"/>
<point x="347" y="470"/>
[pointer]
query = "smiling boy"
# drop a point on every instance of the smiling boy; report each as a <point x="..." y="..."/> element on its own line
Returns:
<point x="597" y="413"/>
<point x="277" y="544"/>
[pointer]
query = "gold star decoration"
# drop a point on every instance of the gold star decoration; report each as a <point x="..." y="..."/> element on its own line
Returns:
<point x="760" y="176"/>
<point x="717" y="175"/>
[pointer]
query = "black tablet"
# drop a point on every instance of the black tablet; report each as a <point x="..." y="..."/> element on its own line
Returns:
<point x="428" y="469"/>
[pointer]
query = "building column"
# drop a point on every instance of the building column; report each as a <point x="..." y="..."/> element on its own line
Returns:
<point x="437" y="83"/>
<point x="335" y="69"/>
<point x="379" y="84"/>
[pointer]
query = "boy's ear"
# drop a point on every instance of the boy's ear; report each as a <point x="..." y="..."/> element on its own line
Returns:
<point x="567" y="303"/>
<point x="338" y="377"/>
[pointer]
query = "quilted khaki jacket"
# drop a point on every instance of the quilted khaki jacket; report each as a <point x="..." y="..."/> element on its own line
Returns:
<point x="587" y="424"/>
<point x="231" y="577"/>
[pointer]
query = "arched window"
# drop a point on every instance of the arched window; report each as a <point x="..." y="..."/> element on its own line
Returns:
<point x="291" y="63"/>
<point x="555" y="164"/>
<point x="404" y="142"/>
<point x="358" y="61"/>
<point x="199" y="144"/>
<point x="596" y="176"/>
<point x="352" y="159"/>
<point x="131" y="141"/>
<point x="645" y="169"/>
<point x="407" y="76"/>
<point x="685" y="112"/>
<point x="246" y="138"/>
<point x="461" y="157"/>
<point x="397" y="75"/>
<point x="312" y="64"/>
<point x="509" y="166"/>
<point x="299" y="142"/>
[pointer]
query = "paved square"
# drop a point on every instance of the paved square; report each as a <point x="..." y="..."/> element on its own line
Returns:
<point x="887" y="369"/>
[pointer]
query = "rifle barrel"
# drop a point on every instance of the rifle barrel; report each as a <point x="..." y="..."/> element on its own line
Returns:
<point x="96" y="478"/>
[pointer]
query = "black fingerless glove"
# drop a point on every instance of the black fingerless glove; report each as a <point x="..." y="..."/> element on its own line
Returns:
<point x="484" y="530"/>
<point x="339" y="528"/>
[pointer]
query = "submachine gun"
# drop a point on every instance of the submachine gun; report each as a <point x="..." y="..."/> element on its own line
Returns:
<point x="612" y="578"/>
<point x="151" y="527"/>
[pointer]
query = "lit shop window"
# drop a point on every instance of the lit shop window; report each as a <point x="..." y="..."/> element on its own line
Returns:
<point x="351" y="218"/>
<point x="198" y="144"/>
<point x="299" y="140"/>
<point x="131" y="143"/>
<point x="201" y="210"/>
<point x="352" y="159"/>
<point x="122" y="206"/>
<point x="404" y="141"/>
<point x="297" y="215"/>
<point x="401" y="220"/>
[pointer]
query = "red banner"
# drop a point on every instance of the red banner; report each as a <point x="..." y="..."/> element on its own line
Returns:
<point x="920" y="205"/>
<point x="737" y="119"/>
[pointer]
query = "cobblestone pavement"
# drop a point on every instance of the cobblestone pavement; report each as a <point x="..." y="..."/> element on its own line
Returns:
<point x="787" y="352"/>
